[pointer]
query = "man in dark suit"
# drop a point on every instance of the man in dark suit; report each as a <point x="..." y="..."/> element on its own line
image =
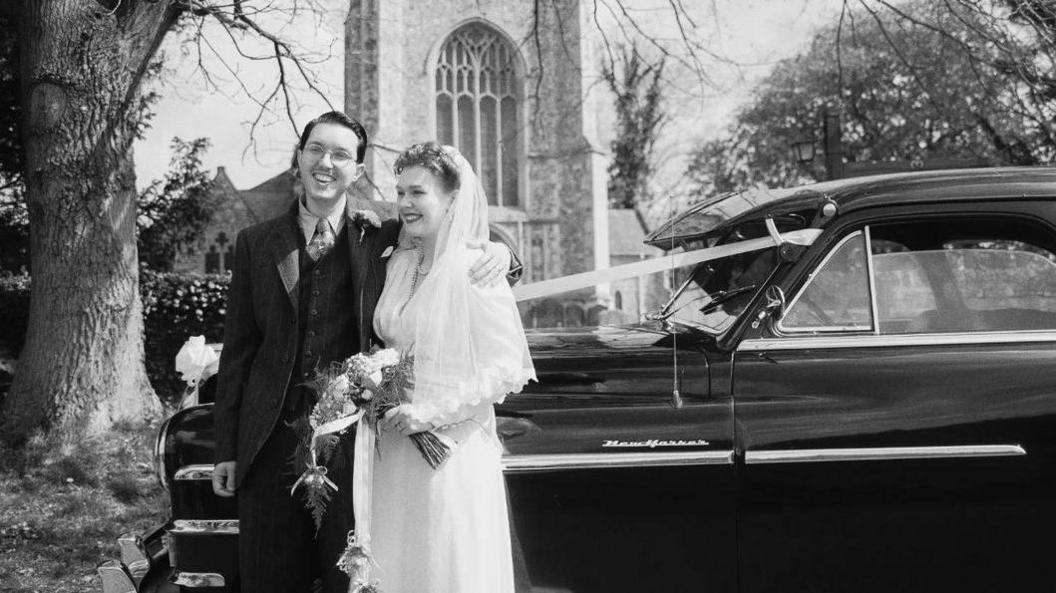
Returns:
<point x="302" y="295"/>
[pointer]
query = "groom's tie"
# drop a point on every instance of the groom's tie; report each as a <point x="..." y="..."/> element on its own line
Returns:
<point x="322" y="241"/>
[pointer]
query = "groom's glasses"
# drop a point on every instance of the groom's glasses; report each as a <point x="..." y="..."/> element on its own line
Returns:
<point x="337" y="156"/>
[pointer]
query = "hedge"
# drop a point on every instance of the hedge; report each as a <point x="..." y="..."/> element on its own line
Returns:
<point x="175" y="306"/>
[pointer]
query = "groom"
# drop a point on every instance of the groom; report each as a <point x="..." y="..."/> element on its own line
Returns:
<point x="302" y="295"/>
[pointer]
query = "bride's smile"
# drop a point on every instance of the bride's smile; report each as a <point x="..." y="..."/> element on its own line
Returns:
<point x="422" y="200"/>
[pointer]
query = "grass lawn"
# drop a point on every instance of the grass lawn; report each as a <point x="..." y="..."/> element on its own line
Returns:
<point x="62" y="508"/>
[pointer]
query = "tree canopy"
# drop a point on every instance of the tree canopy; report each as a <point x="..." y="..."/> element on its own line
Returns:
<point x="911" y="83"/>
<point x="639" y="118"/>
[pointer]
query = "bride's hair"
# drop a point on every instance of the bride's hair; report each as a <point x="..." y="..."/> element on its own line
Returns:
<point x="431" y="156"/>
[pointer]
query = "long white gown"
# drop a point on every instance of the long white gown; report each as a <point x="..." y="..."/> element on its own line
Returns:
<point x="444" y="530"/>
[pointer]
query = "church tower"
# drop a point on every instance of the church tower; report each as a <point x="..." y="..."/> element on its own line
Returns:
<point x="513" y="90"/>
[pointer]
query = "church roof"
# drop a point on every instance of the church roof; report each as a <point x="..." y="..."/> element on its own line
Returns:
<point x="627" y="233"/>
<point x="271" y="198"/>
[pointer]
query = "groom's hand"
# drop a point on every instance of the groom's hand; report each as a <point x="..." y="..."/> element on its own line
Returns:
<point x="224" y="479"/>
<point x="492" y="265"/>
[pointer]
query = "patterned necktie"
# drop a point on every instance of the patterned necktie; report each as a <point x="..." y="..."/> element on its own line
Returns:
<point x="322" y="241"/>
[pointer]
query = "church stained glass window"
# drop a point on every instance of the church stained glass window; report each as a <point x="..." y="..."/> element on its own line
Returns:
<point x="477" y="107"/>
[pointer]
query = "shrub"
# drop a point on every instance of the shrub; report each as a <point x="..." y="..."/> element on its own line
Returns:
<point x="14" y="312"/>
<point x="176" y="306"/>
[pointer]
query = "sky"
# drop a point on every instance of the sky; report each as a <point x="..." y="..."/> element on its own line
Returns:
<point x="744" y="38"/>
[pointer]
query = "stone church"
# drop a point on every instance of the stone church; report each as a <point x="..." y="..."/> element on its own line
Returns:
<point x="517" y="92"/>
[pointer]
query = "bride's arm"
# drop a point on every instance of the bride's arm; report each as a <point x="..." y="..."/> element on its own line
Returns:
<point x="479" y="367"/>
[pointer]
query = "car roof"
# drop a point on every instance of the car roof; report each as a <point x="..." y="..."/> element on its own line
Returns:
<point x="715" y="216"/>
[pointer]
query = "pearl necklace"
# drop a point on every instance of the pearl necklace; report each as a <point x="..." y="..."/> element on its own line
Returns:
<point x="418" y="273"/>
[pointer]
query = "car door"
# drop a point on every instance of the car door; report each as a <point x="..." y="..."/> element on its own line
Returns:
<point x="898" y="421"/>
<point x="613" y="485"/>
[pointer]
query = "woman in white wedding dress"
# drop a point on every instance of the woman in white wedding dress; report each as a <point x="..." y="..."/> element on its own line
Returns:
<point x="444" y="530"/>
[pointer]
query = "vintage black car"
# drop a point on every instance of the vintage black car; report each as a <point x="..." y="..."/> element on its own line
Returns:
<point x="870" y="408"/>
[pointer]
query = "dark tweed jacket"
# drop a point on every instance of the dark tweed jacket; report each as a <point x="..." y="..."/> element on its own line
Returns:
<point x="260" y="329"/>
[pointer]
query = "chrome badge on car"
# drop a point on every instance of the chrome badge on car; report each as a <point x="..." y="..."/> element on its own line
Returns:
<point x="654" y="443"/>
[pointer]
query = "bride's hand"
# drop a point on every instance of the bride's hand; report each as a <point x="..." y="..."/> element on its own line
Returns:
<point x="403" y="419"/>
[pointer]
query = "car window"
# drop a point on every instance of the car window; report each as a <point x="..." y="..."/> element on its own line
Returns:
<point x="902" y="288"/>
<point x="968" y="275"/>
<point x="836" y="297"/>
<point x="975" y="289"/>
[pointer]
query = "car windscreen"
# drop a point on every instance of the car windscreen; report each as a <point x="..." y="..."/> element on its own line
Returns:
<point x="719" y="290"/>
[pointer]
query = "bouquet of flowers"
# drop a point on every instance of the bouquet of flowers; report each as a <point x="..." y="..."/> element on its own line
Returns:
<point x="362" y="388"/>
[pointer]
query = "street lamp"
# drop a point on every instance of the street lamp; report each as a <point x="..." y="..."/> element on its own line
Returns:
<point x="804" y="150"/>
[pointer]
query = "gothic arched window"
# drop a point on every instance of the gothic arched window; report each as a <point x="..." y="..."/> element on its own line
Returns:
<point x="477" y="107"/>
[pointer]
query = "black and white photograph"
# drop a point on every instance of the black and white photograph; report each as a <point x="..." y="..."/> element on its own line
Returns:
<point x="527" y="296"/>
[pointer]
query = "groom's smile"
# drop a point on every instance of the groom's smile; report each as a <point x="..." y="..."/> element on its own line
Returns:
<point x="327" y="164"/>
<point x="323" y="177"/>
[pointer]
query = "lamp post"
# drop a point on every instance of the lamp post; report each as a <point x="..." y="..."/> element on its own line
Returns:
<point x="804" y="150"/>
<point x="833" y="144"/>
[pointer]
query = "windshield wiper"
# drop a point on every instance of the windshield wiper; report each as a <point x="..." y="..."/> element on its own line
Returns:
<point x="665" y="312"/>
<point x="723" y="296"/>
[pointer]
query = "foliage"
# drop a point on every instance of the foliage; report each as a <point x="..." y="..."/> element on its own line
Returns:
<point x="174" y="212"/>
<point x="11" y="154"/>
<point x="639" y="118"/>
<point x="14" y="312"/>
<point x="175" y="306"/>
<point x="906" y="90"/>
<point x="62" y="507"/>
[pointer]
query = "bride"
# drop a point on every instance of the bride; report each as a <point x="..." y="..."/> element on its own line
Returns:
<point x="445" y="529"/>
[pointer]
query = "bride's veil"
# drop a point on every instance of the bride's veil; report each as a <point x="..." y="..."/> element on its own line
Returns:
<point x="469" y="342"/>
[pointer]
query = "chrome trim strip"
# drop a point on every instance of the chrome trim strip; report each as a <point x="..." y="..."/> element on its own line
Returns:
<point x="880" y="453"/>
<point x="516" y="464"/>
<point x="198" y="579"/>
<point x="884" y="341"/>
<point x="224" y="526"/>
<point x="159" y="453"/>
<point x="873" y="309"/>
<point x="198" y="471"/>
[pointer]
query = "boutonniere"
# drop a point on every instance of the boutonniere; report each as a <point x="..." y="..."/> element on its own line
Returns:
<point x="365" y="219"/>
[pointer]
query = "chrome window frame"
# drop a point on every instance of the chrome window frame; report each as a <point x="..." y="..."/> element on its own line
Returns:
<point x="873" y="327"/>
<point x="896" y="340"/>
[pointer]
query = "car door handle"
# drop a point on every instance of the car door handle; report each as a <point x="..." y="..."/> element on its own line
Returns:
<point x="881" y="453"/>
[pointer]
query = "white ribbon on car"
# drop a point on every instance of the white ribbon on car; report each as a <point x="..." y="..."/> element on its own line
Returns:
<point x="572" y="282"/>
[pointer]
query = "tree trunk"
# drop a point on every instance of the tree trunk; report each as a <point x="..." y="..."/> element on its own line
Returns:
<point x="82" y="366"/>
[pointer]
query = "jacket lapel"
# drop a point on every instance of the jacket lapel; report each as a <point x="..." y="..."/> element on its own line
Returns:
<point x="286" y="253"/>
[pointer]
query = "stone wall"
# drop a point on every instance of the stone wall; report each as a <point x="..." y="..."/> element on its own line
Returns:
<point x="392" y="48"/>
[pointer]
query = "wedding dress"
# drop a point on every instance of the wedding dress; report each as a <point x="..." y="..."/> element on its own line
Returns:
<point x="446" y="530"/>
